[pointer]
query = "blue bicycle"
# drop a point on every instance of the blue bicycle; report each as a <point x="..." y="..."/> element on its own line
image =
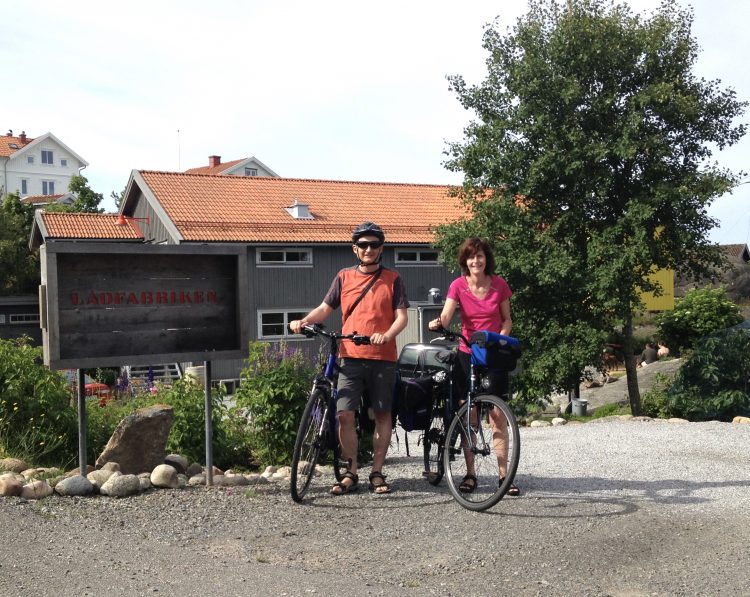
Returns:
<point x="317" y="428"/>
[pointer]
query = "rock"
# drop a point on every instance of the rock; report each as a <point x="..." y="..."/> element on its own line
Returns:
<point x="119" y="485"/>
<point x="111" y="466"/>
<point x="741" y="420"/>
<point x="193" y="469"/>
<point x="642" y="419"/>
<point x="12" y="465"/>
<point x="181" y="480"/>
<point x="99" y="478"/>
<point x="145" y="480"/>
<point x="9" y="485"/>
<point x="197" y="480"/>
<point x="37" y="490"/>
<point x="677" y="420"/>
<point x="139" y="442"/>
<point x="164" y="476"/>
<point x="217" y="471"/>
<point x="270" y="470"/>
<point x="540" y="424"/>
<point x="557" y="421"/>
<point x="77" y="471"/>
<point x="179" y="463"/>
<point x="72" y="486"/>
<point x="233" y="481"/>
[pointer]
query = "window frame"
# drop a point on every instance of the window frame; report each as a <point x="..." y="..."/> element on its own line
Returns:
<point x="419" y="262"/>
<point x="251" y="171"/>
<point x="48" y="185"/>
<point x="285" y="262"/>
<point x="286" y="335"/>
<point x="63" y="162"/>
<point x="50" y="157"/>
<point x="24" y="186"/>
<point x="27" y="318"/>
<point x="29" y="159"/>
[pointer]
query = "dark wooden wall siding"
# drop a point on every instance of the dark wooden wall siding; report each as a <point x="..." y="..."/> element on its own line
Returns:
<point x="154" y="231"/>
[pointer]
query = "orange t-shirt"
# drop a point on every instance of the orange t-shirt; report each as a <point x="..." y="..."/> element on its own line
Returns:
<point x="376" y="312"/>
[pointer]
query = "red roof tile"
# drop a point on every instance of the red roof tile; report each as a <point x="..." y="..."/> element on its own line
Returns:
<point x="66" y="225"/>
<point x="5" y="145"/>
<point x="252" y="209"/>
<point x="218" y="169"/>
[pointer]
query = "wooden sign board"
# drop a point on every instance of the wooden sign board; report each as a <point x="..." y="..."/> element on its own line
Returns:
<point x="111" y="304"/>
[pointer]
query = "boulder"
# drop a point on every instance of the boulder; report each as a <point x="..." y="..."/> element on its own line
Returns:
<point x="179" y="463"/>
<point x="194" y="469"/>
<point x="139" y="442"/>
<point x="100" y="477"/>
<point x="165" y="476"/>
<point x="9" y="485"/>
<point x="741" y="420"/>
<point x="12" y="465"/>
<point x="37" y="490"/>
<point x="74" y="486"/>
<point x="121" y="485"/>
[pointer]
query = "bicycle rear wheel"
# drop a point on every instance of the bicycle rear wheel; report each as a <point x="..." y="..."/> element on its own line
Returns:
<point x="433" y="443"/>
<point x="310" y="442"/>
<point x="476" y="443"/>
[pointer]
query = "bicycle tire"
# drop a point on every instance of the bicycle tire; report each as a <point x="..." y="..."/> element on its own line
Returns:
<point x="310" y="442"/>
<point x="489" y="490"/>
<point x="433" y="443"/>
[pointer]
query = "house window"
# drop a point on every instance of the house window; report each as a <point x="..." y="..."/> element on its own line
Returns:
<point x="24" y="318"/>
<point x="24" y="186"/>
<point x="251" y="172"/>
<point x="2" y="317"/>
<point x="29" y="159"/>
<point x="48" y="187"/>
<point x="64" y="163"/>
<point x="47" y="157"/>
<point x="292" y="256"/>
<point x="273" y="324"/>
<point x="416" y="257"/>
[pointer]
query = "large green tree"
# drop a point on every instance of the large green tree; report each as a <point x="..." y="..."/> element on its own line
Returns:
<point x="19" y="267"/>
<point x="86" y="199"/>
<point x="589" y="164"/>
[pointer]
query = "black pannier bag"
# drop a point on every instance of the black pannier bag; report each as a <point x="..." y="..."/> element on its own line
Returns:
<point x="414" y="402"/>
<point x="494" y="351"/>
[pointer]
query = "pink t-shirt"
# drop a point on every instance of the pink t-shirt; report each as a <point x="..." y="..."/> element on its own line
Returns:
<point x="479" y="314"/>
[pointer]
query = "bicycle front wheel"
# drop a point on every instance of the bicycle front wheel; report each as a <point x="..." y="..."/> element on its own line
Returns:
<point x="310" y="442"/>
<point x="433" y="443"/>
<point x="485" y="444"/>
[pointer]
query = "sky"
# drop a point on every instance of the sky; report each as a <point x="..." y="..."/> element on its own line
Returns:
<point x="326" y="90"/>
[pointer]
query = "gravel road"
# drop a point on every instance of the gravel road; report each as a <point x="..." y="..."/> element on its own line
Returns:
<point x="617" y="508"/>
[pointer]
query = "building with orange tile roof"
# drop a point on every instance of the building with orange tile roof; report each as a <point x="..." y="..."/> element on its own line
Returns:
<point x="251" y="166"/>
<point x="36" y="166"/>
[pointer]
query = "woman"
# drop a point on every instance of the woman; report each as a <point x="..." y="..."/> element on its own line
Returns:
<point x="484" y="299"/>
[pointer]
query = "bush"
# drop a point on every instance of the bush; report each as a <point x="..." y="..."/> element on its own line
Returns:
<point x="714" y="382"/>
<point x="273" y="391"/>
<point x="655" y="402"/>
<point x="701" y="312"/>
<point x="38" y="421"/>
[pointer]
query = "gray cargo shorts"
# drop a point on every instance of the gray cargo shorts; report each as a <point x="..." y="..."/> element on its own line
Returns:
<point x="378" y="377"/>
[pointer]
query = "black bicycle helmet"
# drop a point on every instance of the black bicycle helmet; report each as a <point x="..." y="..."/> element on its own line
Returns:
<point x="368" y="229"/>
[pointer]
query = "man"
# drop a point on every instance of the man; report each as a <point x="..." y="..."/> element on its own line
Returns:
<point x="381" y="314"/>
<point x="648" y="355"/>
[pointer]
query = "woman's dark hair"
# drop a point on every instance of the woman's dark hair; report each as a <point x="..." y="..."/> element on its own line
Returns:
<point x="472" y="246"/>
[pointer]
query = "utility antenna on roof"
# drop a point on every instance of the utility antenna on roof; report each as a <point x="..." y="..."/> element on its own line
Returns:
<point x="179" y="168"/>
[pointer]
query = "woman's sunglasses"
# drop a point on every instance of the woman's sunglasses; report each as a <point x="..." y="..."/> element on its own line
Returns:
<point x="364" y="245"/>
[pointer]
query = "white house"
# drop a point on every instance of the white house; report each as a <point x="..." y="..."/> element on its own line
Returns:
<point x="251" y="166"/>
<point x="40" y="166"/>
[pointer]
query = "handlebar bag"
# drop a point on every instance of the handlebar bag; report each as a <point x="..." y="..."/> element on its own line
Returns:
<point x="493" y="351"/>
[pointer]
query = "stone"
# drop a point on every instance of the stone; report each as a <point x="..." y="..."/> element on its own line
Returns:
<point x="181" y="480"/>
<point x="37" y="490"/>
<point x="74" y="486"/>
<point x="197" y="480"/>
<point x="145" y="481"/>
<point x="119" y="485"/>
<point x="642" y="419"/>
<point x="111" y="466"/>
<point x="677" y="420"/>
<point x="233" y="481"/>
<point x="540" y="424"/>
<point x="77" y="471"/>
<point x="10" y="486"/>
<point x="741" y="420"/>
<point x="557" y="421"/>
<point x="139" y="442"/>
<point x="99" y="477"/>
<point x="165" y="476"/>
<point x="179" y="463"/>
<point x="12" y="465"/>
<point x="193" y="469"/>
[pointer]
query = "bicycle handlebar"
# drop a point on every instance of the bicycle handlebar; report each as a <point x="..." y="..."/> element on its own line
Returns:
<point x="317" y="329"/>
<point x="454" y="335"/>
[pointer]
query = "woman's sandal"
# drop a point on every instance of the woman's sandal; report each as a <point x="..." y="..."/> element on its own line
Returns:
<point x="468" y="484"/>
<point x="379" y="488"/>
<point x="341" y="488"/>
<point x="513" y="490"/>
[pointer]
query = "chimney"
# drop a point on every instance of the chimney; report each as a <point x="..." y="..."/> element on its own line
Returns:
<point x="214" y="160"/>
<point x="9" y="133"/>
<point x="22" y="136"/>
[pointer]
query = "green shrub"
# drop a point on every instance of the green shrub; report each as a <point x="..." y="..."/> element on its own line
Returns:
<point x="274" y="389"/>
<point x="714" y="382"/>
<point x="701" y="312"/>
<point x="38" y="421"/>
<point x="608" y="410"/>
<point x="655" y="403"/>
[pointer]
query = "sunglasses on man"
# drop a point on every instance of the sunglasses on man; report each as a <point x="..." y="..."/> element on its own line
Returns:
<point x="364" y="244"/>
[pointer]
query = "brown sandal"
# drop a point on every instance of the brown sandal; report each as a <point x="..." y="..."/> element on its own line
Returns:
<point x="342" y="487"/>
<point x="468" y="484"/>
<point x="379" y="488"/>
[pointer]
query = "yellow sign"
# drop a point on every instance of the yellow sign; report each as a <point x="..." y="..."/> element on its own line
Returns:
<point x="664" y="302"/>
